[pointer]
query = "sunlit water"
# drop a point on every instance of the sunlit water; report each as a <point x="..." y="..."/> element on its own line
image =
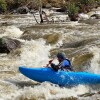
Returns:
<point x="36" y="53"/>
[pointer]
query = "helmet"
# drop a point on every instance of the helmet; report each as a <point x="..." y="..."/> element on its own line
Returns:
<point x="61" y="55"/>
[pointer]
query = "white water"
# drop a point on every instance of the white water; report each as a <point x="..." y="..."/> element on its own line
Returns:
<point x="34" y="53"/>
<point x="12" y="32"/>
<point x="95" y="62"/>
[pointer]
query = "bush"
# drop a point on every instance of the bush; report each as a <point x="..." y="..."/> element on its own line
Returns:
<point x="87" y="2"/>
<point x="73" y="12"/>
<point x="72" y="9"/>
<point x="87" y="5"/>
<point x="3" y="5"/>
<point x="10" y="4"/>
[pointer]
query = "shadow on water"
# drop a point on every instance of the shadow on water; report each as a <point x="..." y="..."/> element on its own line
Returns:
<point x="22" y="84"/>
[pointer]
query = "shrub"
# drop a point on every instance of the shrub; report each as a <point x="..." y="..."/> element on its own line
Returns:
<point x="73" y="11"/>
<point x="10" y="4"/>
<point x="87" y="5"/>
<point x="87" y="2"/>
<point x="3" y="5"/>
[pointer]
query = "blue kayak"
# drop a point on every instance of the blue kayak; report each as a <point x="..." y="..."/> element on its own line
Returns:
<point x="61" y="78"/>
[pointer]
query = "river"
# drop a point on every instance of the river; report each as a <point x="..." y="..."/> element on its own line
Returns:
<point x="80" y="42"/>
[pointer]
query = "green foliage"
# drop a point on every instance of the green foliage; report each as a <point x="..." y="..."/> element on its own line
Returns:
<point x="3" y="5"/>
<point x="87" y="2"/>
<point x="72" y="9"/>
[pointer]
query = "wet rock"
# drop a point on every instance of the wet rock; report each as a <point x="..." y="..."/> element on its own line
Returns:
<point x="61" y="10"/>
<point x="3" y="47"/>
<point x="22" y="10"/>
<point x="81" y="60"/>
<point x="52" y="38"/>
<point x="8" y="44"/>
<point x="73" y="17"/>
<point x="48" y="6"/>
<point x="97" y="16"/>
<point x="87" y="95"/>
<point x="28" y="35"/>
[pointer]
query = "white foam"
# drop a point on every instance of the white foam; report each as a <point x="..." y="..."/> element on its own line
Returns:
<point x="34" y="53"/>
<point x="46" y="91"/>
<point x="12" y="32"/>
<point x="95" y="66"/>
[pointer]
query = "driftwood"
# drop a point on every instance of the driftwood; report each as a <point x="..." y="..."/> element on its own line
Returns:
<point x="35" y="19"/>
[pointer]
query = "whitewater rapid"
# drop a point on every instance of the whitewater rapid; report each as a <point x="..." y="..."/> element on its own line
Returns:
<point x="37" y="53"/>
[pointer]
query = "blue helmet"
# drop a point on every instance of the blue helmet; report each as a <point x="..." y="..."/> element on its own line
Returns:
<point x="61" y="55"/>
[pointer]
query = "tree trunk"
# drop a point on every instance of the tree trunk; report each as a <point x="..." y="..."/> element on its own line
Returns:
<point x="40" y="12"/>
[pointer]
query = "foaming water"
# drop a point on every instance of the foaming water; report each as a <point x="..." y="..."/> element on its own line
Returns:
<point x="95" y="62"/>
<point x="47" y="91"/>
<point x="34" y="53"/>
<point x="12" y="32"/>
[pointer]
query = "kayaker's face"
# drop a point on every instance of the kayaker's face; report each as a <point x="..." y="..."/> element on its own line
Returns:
<point x="60" y="60"/>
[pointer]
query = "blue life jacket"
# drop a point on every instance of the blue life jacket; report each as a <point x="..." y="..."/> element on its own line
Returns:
<point x="65" y="65"/>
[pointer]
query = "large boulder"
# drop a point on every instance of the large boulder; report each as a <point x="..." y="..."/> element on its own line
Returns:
<point x="8" y="44"/>
<point x="23" y="10"/>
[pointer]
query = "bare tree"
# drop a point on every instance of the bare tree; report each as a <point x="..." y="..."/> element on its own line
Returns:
<point x="40" y="11"/>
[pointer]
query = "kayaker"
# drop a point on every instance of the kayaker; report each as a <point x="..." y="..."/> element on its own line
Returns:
<point x="64" y="64"/>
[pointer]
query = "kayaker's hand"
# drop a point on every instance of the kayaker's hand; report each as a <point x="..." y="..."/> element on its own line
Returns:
<point x="50" y="61"/>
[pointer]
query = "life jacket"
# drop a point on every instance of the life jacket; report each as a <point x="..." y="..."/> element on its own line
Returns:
<point x="67" y="67"/>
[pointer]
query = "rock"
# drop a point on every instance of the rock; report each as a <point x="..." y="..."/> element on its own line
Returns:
<point x="97" y="16"/>
<point x="87" y="95"/>
<point x="73" y="17"/>
<point x="8" y="44"/>
<point x="3" y="47"/>
<point x="83" y="16"/>
<point x="61" y="10"/>
<point x="22" y="10"/>
<point x="48" y="6"/>
<point x="28" y="35"/>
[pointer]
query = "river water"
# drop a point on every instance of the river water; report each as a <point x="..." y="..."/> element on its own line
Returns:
<point x="80" y="42"/>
